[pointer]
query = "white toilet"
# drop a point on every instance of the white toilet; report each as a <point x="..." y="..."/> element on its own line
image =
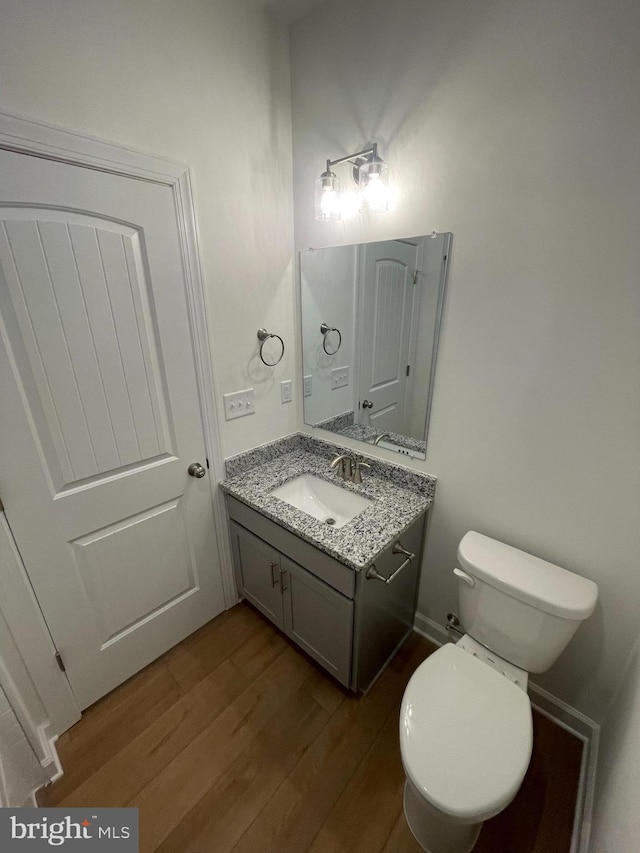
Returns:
<point x="465" y="721"/>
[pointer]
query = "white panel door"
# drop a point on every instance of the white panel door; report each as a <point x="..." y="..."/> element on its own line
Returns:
<point x="100" y="417"/>
<point x="386" y="304"/>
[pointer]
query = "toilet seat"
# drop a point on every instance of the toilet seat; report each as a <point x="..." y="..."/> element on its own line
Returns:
<point x="466" y="735"/>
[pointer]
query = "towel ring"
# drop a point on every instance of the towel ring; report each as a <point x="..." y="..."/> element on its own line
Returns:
<point x="263" y="337"/>
<point x="325" y="331"/>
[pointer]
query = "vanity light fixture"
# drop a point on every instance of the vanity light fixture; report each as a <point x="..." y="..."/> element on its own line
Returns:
<point x="328" y="196"/>
<point x="371" y="174"/>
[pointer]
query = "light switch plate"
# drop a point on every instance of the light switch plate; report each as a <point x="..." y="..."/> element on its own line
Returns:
<point x="238" y="404"/>
<point x="308" y="385"/>
<point x="339" y="377"/>
<point x="285" y="391"/>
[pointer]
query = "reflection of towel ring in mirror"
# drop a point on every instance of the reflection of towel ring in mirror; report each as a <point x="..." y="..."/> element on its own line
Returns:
<point x="325" y="331"/>
<point x="263" y="337"/>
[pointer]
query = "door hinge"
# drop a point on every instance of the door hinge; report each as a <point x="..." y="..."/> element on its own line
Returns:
<point x="408" y="369"/>
<point x="415" y="276"/>
<point x="60" y="662"/>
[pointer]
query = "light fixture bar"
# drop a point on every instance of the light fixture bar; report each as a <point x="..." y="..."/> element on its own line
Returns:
<point x="352" y="157"/>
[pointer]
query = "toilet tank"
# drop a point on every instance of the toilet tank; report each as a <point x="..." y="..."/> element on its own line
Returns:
<point x="521" y="607"/>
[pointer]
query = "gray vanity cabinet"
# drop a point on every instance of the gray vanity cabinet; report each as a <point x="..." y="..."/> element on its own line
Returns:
<point x="311" y="613"/>
<point x="348" y="621"/>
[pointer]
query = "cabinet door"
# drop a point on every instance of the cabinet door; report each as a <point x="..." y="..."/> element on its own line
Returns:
<point x="257" y="567"/>
<point x="318" y="619"/>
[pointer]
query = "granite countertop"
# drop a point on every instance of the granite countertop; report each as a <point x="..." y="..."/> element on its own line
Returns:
<point x="345" y="424"/>
<point x="399" y="496"/>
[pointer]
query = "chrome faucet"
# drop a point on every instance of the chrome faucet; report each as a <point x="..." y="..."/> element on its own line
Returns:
<point x="356" y="476"/>
<point x="344" y="466"/>
<point x="382" y="435"/>
<point x="349" y="470"/>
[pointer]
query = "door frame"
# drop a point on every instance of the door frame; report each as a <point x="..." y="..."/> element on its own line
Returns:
<point x="41" y="139"/>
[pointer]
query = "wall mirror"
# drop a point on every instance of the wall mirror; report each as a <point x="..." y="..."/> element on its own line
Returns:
<point x="370" y="321"/>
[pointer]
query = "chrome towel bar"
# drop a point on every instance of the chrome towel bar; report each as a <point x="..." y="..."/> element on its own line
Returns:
<point x="373" y="574"/>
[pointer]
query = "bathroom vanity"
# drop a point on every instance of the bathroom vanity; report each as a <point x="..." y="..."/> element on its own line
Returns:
<point x="346" y="595"/>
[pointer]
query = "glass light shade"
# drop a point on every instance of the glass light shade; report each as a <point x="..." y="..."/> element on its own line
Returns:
<point x="373" y="177"/>
<point x="328" y="198"/>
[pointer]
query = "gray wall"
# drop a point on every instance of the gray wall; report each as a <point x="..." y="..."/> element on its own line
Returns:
<point x="515" y="125"/>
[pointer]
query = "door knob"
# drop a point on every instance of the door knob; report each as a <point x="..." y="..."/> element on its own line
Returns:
<point x="196" y="470"/>
<point x="367" y="404"/>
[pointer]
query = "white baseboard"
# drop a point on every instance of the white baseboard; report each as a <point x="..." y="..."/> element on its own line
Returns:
<point x="431" y="630"/>
<point x="51" y="763"/>
<point x="563" y="715"/>
<point x="32" y="800"/>
<point x="3" y="789"/>
<point x="588" y="732"/>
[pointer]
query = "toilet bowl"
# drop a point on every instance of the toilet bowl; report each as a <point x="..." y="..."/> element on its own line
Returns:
<point x="466" y="731"/>
<point x="466" y="736"/>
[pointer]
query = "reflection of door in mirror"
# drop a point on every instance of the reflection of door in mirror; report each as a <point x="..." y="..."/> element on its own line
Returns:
<point x="386" y="299"/>
<point x="385" y="309"/>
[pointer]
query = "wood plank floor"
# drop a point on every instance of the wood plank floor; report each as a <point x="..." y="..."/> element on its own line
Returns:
<point x="234" y="742"/>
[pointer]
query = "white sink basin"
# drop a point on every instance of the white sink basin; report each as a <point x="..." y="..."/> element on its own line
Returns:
<point x="322" y="500"/>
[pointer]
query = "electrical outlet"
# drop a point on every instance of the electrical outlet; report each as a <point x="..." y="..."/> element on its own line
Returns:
<point x="238" y="404"/>
<point x="285" y="391"/>
<point x="308" y="387"/>
<point x="339" y="377"/>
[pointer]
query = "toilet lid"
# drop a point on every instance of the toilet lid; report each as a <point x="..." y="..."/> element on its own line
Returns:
<point x="465" y="734"/>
